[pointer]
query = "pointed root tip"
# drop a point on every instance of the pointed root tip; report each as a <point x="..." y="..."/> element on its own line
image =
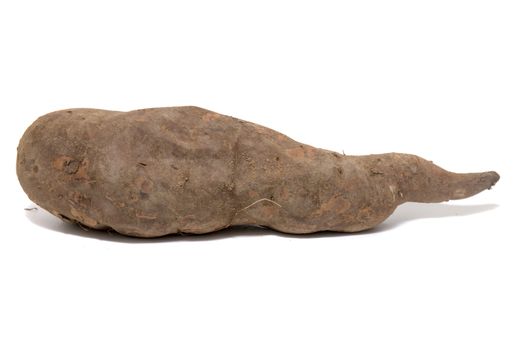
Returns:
<point x="490" y="178"/>
<point x="472" y="184"/>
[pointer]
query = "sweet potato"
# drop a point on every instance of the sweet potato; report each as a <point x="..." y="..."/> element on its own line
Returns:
<point x="153" y="172"/>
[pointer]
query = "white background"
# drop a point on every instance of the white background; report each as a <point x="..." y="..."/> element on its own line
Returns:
<point x="441" y="79"/>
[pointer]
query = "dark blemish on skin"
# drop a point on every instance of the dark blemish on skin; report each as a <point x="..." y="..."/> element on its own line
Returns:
<point x="66" y="219"/>
<point x="71" y="166"/>
<point x="277" y="158"/>
<point x="35" y="169"/>
<point x="183" y="182"/>
<point x="83" y="227"/>
<point x="143" y="164"/>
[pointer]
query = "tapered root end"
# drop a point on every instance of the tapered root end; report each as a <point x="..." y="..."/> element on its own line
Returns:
<point x="467" y="185"/>
<point x="491" y="178"/>
<point x="423" y="181"/>
<point x="413" y="179"/>
<point x="442" y="186"/>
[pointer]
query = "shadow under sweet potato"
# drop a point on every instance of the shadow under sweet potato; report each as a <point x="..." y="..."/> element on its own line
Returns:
<point x="403" y="214"/>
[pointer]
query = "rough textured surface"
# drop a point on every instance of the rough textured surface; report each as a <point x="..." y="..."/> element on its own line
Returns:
<point x="153" y="172"/>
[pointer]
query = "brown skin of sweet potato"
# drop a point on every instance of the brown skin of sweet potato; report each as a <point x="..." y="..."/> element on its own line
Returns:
<point x="153" y="172"/>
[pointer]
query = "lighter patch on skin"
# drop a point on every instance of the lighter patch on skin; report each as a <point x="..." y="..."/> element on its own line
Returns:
<point x="460" y="193"/>
<point x="334" y="204"/>
<point x="61" y="162"/>
<point x="72" y="167"/>
<point x="210" y="116"/>
<point x="302" y="151"/>
<point x="81" y="173"/>
<point x="113" y="163"/>
<point x="145" y="216"/>
<point x="258" y="201"/>
<point x="83" y="218"/>
<point x="393" y="189"/>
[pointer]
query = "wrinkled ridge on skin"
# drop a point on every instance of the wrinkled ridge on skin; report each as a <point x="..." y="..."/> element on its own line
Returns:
<point x="157" y="171"/>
